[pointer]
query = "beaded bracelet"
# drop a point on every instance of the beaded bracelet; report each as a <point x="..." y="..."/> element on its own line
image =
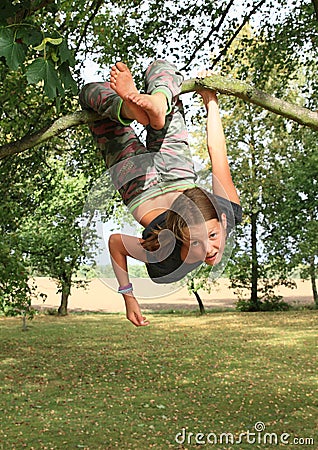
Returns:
<point x="125" y="289"/>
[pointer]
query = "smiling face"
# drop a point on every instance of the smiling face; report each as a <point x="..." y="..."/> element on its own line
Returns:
<point x="205" y="242"/>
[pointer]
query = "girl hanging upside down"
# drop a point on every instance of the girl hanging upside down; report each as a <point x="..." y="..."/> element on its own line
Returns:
<point x="184" y="225"/>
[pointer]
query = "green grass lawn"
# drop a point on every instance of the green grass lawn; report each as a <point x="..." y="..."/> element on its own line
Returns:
<point x="96" y="382"/>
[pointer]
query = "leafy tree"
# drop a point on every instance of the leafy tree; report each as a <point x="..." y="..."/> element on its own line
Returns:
<point x="42" y="202"/>
<point x="58" y="236"/>
<point x="52" y="233"/>
<point x="290" y="146"/>
<point x="15" y="291"/>
<point x="134" y="31"/>
<point x="258" y="147"/>
<point x="18" y="180"/>
<point x="35" y="48"/>
<point x="294" y="210"/>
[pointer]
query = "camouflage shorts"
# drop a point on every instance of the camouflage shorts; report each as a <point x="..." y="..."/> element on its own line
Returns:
<point x="143" y="171"/>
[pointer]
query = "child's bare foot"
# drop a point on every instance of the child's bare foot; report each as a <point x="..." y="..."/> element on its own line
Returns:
<point x="121" y="81"/>
<point x="154" y="105"/>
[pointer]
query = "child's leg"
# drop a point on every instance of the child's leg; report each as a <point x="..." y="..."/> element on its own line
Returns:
<point x="124" y="154"/>
<point x="121" y="81"/>
<point x="167" y="144"/>
<point x="173" y="157"/>
<point x="162" y="81"/>
<point x="129" y="162"/>
<point x="101" y="98"/>
<point x="162" y="76"/>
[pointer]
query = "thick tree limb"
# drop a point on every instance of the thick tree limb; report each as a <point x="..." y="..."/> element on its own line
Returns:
<point x="252" y="95"/>
<point x="43" y="135"/>
<point x="219" y="83"/>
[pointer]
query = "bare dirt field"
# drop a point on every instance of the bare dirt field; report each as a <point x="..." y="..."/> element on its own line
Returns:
<point x="101" y="298"/>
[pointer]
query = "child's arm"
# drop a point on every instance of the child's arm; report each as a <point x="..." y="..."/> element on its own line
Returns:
<point x="222" y="179"/>
<point x="121" y="246"/>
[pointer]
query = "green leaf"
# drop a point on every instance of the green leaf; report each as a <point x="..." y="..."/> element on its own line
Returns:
<point x="13" y="51"/>
<point x="54" y="41"/>
<point x="40" y="47"/>
<point x="42" y="69"/>
<point x="6" y="37"/>
<point x="36" y="71"/>
<point x="67" y="79"/>
<point x="52" y="84"/>
<point x="54" y="57"/>
<point x="66" y="54"/>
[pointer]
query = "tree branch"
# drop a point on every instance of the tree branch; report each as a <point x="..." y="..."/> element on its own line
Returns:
<point x="250" y="94"/>
<point x="43" y="135"/>
<point x="228" y="86"/>
<point x="90" y="19"/>
<point x="214" y="29"/>
<point x="236" y="33"/>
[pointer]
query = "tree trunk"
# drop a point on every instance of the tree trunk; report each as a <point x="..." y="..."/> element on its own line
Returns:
<point x="24" y="324"/>
<point x="254" y="302"/>
<point x="197" y="296"/>
<point x="254" y="279"/>
<point x="66" y="291"/>
<point x="313" y="280"/>
<point x="201" y="306"/>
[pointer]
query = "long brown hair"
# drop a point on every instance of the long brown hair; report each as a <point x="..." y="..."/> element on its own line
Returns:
<point x="192" y="207"/>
